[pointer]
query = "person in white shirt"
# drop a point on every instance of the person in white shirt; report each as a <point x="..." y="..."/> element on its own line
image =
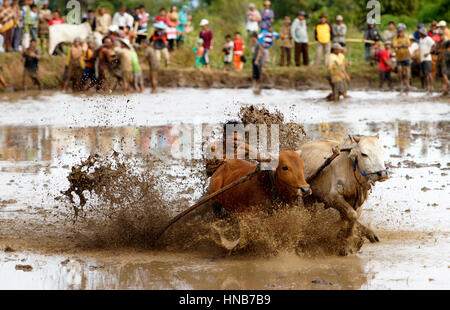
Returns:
<point x="425" y="45"/>
<point x="253" y="19"/>
<point x="122" y="18"/>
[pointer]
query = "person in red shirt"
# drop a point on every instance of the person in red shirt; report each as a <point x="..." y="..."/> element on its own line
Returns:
<point x="207" y="36"/>
<point x="384" y="68"/>
<point x="433" y="33"/>
<point x="238" y="51"/>
<point x="161" y="17"/>
<point x="56" y="20"/>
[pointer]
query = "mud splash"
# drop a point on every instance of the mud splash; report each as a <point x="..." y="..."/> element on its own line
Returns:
<point x="117" y="201"/>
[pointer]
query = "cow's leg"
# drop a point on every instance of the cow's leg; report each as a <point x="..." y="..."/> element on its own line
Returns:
<point x="367" y="232"/>
<point x="336" y="201"/>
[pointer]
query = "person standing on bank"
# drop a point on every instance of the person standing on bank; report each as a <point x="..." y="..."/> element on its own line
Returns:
<point x="339" y="30"/>
<point x="286" y="42"/>
<point x="299" y="33"/>
<point x="324" y="36"/>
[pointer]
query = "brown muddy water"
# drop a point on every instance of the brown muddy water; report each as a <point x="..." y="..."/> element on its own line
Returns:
<point x="43" y="135"/>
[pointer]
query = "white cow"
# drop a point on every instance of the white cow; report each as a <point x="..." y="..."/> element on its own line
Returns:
<point x="67" y="33"/>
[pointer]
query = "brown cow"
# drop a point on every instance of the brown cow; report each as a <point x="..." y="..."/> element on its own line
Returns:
<point x="287" y="183"/>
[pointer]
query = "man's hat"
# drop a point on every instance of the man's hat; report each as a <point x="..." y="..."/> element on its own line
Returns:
<point x="337" y="46"/>
<point x="160" y="25"/>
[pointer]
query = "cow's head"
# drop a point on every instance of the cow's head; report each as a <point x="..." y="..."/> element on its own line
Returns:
<point x="289" y="175"/>
<point x="369" y="156"/>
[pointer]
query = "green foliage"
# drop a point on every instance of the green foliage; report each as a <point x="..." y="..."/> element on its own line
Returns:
<point x="435" y="10"/>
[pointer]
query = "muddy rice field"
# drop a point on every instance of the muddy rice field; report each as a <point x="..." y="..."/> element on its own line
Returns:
<point x="43" y="245"/>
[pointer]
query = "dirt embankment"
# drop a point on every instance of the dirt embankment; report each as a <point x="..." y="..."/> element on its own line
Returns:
<point x="51" y="71"/>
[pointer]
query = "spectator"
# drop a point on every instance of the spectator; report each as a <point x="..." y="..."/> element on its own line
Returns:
<point x="286" y="42"/>
<point x="442" y="71"/>
<point x="103" y="21"/>
<point x="89" y="59"/>
<point x="324" y="36"/>
<point x="56" y="20"/>
<point x="18" y="24"/>
<point x="371" y="34"/>
<point x="443" y="26"/>
<point x="199" y="52"/>
<point x="339" y="31"/>
<point x="162" y="16"/>
<point x="7" y="20"/>
<point x="184" y="19"/>
<point x="122" y="18"/>
<point x="159" y="42"/>
<point x="384" y="67"/>
<point x="207" y="36"/>
<point x="299" y="33"/>
<point x="31" y="66"/>
<point x="389" y="33"/>
<point x="153" y="64"/>
<point x="75" y="63"/>
<point x="228" y="50"/>
<point x="137" y="72"/>
<point x="27" y="24"/>
<point x="267" y="38"/>
<point x="238" y="51"/>
<point x="125" y="55"/>
<point x="401" y="46"/>
<point x="44" y="15"/>
<point x="426" y="43"/>
<point x="104" y="59"/>
<point x="267" y="16"/>
<point x="253" y="19"/>
<point x="35" y="17"/>
<point x="90" y="18"/>
<point x="172" y="21"/>
<point x="257" y="62"/>
<point x="416" y="33"/>
<point x="433" y="33"/>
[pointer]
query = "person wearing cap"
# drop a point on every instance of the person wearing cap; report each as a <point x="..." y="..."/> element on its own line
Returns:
<point x="339" y="30"/>
<point x="371" y="34"/>
<point x="388" y="34"/>
<point x="384" y="69"/>
<point x="253" y="19"/>
<point x="443" y="26"/>
<point x="44" y="16"/>
<point x="441" y="65"/>
<point x="124" y="52"/>
<point x="401" y="46"/>
<point x="159" y="42"/>
<point x="267" y="38"/>
<point x="299" y="33"/>
<point x="103" y="21"/>
<point x="426" y="43"/>
<point x="416" y="33"/>
<point x="267" y="16"/>
<point x="324" y="35"/>
<point x="199" y="52"/>
<point x="207" y="36"/>
<point x="122" y="18"/>
<point x="286" y="42"/>
<point x="336" y="73"/>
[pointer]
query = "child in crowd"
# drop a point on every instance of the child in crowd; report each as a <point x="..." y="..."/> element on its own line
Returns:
<point x="137" y="72"/>
<point x="199" y="52"/>
<point x="31" y="59"/>
<point x="228" y="50"/>
<point x="238" y="51"/>
<point x="384" y="68"/>
<point x="159" y="42"/>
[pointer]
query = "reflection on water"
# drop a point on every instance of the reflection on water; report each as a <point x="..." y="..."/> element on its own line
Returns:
<point x="44" y="143"/>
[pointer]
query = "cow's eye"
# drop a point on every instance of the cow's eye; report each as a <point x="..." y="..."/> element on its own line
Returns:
<point x="285" y="168"/>
<point x="365" y="155"/>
